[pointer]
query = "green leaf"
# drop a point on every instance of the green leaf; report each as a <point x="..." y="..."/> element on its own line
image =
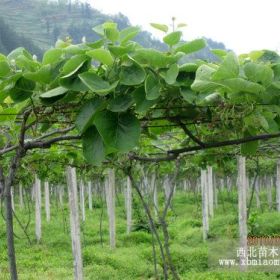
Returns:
<point x="8" y="115"/>
<point x="23" y="89"/>
<point x="188" y="67"/>
<point x="132" y="73"/>
<point x="256" y="55"/>
<point x="256" y="120"/>
<point x="119" y="131"/>
<point x="73" y="83"/>
<point x="142" y="104"/>
<point x="188" y="95"/>
<point x="128" y="34"/>
<point x="272" y="124"/>
<point x="87" y="113"/>
<point x="155" y="58"/>
<point x="152" y="87"/>
<point x="172" y="38"/>
<point x="172" y="73"/>
<point x="76" y="49"/>
<point x="53" y="56"/>
<point x="259" y="73"/>
<point x="93" y="147"/>
<point x="17" y="52"/>
<point x="202" y="82"/>
<point x="249" y="148"/>
<point x="228" y="69"/>
<point x="26" y="63"/>
<point x="73" y="65"/>
<point x="56" y="92"/>
<point x="4" y="68"/>
<point x="110" y="24"/>
<point x="220" y="53"/>
<point x="161" y="27"/>
<point x="192" y="46"/>
<point x="9" y="82"/>
<point x="99" y="29"/>
<point x="103" y="56"/>
<point x="96" y="83"/>
<point x="241" y="85"/>
<point x="122" y="50"/>
<point x="96" y="44"/>
<point x="42" y="76"/>
<point x="111" y="31"/>
<point x="62" y="44"/>
<point x="120" y="103"/>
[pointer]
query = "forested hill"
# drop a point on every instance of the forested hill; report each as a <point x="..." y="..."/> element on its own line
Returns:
<point x="43" y="21"/>
<point x="9" y="40"/>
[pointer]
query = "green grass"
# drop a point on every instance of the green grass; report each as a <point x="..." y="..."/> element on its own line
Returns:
<point x="132" y="259"/>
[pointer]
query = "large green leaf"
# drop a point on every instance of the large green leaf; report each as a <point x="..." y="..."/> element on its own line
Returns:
<point x="96" y="83"/>
<point x="152" y="87"/>
<point x="19" y="52"/>
<point x="241" y="85"/>
<point x="53" y="56"/>
<point x="202" y="82"/>
<point x="4" y="68"/>
<point x="188" y="95"/>
<point x="188" y="67"/>
<point x="259" y="73"/>
<point x="103" y="56"/>
<point x="93" y="147"/>
<point x="120" y="103"/>
<point x="192" y="46"/>
<point x="132" y="73"/>
<point x="26" y="63"/>
<point x="219" y="53"/>
<point x="111" y="31"/>
<point x="142" y="104"/>
<point x="76" y="49"/>
<point x="99" y="29"/>
<point x="73" y="83"/>
<point x="119" y="131"/>
<point x="42" y="76"/>
<point x="122" y="50"/>
<point x="172" y="38"/>
<point x="172" y="73"/>
<point x="128" y="34"/>
<point x="86" y="114"/>
<point x="228" y="69"/>
<point x="9" y="82"/>
<point x="155" y="58"/>
<point x="96" y="44"/>
<point x="73" y="65"/>
<point x="23" y="89"/>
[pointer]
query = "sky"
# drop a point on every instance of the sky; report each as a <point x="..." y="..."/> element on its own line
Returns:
<point x="242" y="25"/>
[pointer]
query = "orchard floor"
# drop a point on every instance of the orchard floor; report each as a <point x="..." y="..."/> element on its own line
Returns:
<point x="132" y="259"/>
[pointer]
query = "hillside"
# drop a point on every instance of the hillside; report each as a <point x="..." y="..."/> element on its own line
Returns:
<point x="9" y="40"/>
<point x="43" y="22"/>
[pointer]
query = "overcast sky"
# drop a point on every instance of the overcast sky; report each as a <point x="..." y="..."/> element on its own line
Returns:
<point x="243" y="25"/>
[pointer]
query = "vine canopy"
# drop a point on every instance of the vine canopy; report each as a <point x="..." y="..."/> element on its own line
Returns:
<point x="111" y="89"/>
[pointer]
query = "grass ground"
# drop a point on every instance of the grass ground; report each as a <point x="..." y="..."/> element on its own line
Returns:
<point x="51" y="259"/>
